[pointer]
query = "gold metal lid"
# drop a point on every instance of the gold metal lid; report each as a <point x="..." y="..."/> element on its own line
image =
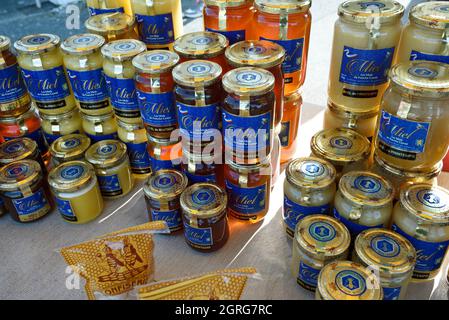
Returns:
<point x="359" y="11"/>
<point x="110" y="23"/>
<point x="123" y="50"/>
<point x="197" y="73"/>
<point x="346" y="280"/>
<point x="248" y="81"/>
<point x="385" y="250"/>
<point x="5" y="43"/>
<point x="340" y="145"/>
<point x="82" y="44"/>
<point x="58" y="117"/>
<point x="201" y="45"/>
<point x="227" y="3"/>
<point x="283" y="6"/>
<point x="19" y="174"/>
<point x="165" y="184"/>
<point x="155" y="61"/>
<point x="37" y="43"/>
<point x="262" y="54"/>
<point x="366" y="189"/>
<point x="106" y="153"/>
<point x="17" y="149"/>
<point x="70" y="147"/>
<point x="312" y="173"/>
<point x="204" y="200"/>
<point x="71" y="176"/>
<point x="434" y="14"/>
<point x="422" y="78"/>
<point x="322" y="237"/>
<point x="344" y="112"/>
<point x="426" y="202"/>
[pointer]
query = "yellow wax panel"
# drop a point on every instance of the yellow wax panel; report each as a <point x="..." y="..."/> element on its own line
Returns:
<point x="106" y="6"/>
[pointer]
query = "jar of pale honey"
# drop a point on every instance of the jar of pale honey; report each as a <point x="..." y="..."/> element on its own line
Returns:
<point x="100" y="127"/>
<point x="55" y="126"/>
<point x="112" y="26"/>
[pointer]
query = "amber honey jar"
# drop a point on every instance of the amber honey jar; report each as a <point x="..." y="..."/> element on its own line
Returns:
<point x="202" y="167"/>
<point x="289" y="127"/>
<point x="204" y="216"/>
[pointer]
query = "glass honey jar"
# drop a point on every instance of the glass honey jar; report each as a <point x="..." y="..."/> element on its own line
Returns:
<point x="412" y="131"/>
<point x="164" y="153"/>
<point x="76" y="191"/>
<point x="291" y="117"/>
<point x="229" y="18"/>
<point x="14" y="97"/>
<point x="69" y="148"/>
<point x="204" y="216"/>
<point x="25" y="191"/>
<point x="198" y="99"/>
<point x="248" y="114"/>
<point x="119" y="74"/>
<point x="112" y="26"/>
<point x="265" y="55"/>
<point x="20" y="149"/>
<point x="422" y="217"/>
<point x="84" y="66"/>
<point x="108" y="6"/>
<point x="366" y="37"/>
<point x="287" y="23"/>
<point x="43" y="71"/>
<point x="111" y="162"/>
<point x="346" y="149"/>
<point x="390" y="256"/>
<point x="363" y="201"/>
<point x="249" y="189"/>
<point x="159" y="22"/>
<point x="309" y="189"/>
<point x="135" y="137"/>
<point x="100" y="127"/>
<point x="154" y="84"/>
<point x="319" y="240"/>
<point x="55" y="126"/>
<point x="162" y="191"/>
<point x="347" y="280"/>
<point x="202" y="167"/>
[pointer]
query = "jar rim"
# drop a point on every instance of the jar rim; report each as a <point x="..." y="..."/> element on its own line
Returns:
<point x="37" y="43"/>
<point x="20" y="174"/>
<point x="260" y="82"/>
<point x="123" y="50"/>
<point x="177" y="182"/>
<point x="155" y="61"/>
<point x="71" y="176"/>
<point x="434" y="15"/>
<point x="255" y="53"/>
<point x="322" y="176"/>
<point x="83" y="44"/>
<point x="70" y="146"/>
<point x="201" y="45"/>
<point x="228" y="3"/>
<point x="203" y="201"/>
<point x="106" y="153"/>
<point x="195" y="73"/>
<point x="283" y="6"/>
<point x="360" y="12"/>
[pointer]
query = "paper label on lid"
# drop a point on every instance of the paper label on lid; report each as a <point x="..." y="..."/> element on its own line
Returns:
<point x="12" y="86"/>
<point x="46" y="85"/>
<point x="156" y="29"/>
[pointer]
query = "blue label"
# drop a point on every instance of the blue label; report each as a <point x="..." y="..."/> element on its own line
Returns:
<point x="172" y="218"/>
<point x="138" y="155"/>
<point x="247" y="134"/>
<point x="293" y="54"/>
<point x="65" y="209"/>
<point x="72" y="172"/>
<point x="157" y="29"/>
<point x="284" y="135"/>
<point x="157" y="164"/>
<point x="196" y="178"/>
<point x="198" y="236"/>
<point x="123" y="94"/>
<point x="385" y="246"/>
<point x="47" y="85"/>
<point x="158" y="109"/>
<point x="31" y="204"/>
<point x="198" y="123"/>
<point x="308" y="276"/>
<point x="38" y="136"/>
<point x="293" y="212"/>
<point x="366" y="67"/>
<point x="110" y="185"/>
<point x="232" y="36"/>
<point x="415" y="55"/>
<point x="351" y="283"/>
<point x="101" y="137"/>
<point x="246" y="201"/>
<point x="88" y="86"/>
<point x="354" y="228"/>
<point x="95" y="11"/>
<point x="12" y="86"/>
<point x="52" y="137"/>
<point x="391" y="293"/>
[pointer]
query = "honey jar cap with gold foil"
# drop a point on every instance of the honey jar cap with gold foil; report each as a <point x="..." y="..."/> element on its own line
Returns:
<point x="322" y="237"/>
<point x="37" y="43"/>
<point x="428" y="203"/>
<point x="197" y="73"/>
<point x="312" y="173"/>
<point x="17" y="149"/>
<point x="19" y="174"/>
<point x="366" y="188"/>
<point x="283" y="6"/>
<point x="203" y="200"/>
<point x="82" y="44"/>
<point x="433" y="14"/>
<point x="385" y="250"/>
<point x="106" y="153"/>
<point x="201" y="45"/>
<point x="255" y="53"/>
<point x="123" y="50"/>
<point x="5" y="43"/>
<point x="421" y="78"/>
<point x="227" y="3"/>
<point x="71" y="176"/>
<point x="165" y="184"/>
<point x="110" y="23"/>
<point x="340" y="145"/>
<point x="70" y="147"/>
<point x="248" y="81"/>
<point x="347" y="280"/>
<point x="361" y="11"/>
<point x="155" y="61"/>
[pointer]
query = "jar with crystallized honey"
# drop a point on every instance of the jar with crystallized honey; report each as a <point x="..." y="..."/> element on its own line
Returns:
<point x="43" y="71"/>
<point x="366" y="38"/>
<point x="164" y="153"/>
<point x="309" y="189"/>
<point x="108" y="6"/>
<point x="112" y="26"/>
<point x="363" y="201"/>
<point x="422" y="217"/>
<point x="390" y="256"/>
<point x="162" y="193"/>
<point x="204" y="216"/>
<point x="20" y="149"/>
<point x="76" y="191"/>
<point x="289" y="127"/>
<point x="111" y="162"/>
<point x="69" y="148"/>
<point x="55" y="126"/>
<point x="100" y="127"/>
<point x="319" y="240"/>
<point x="412" y="131"/>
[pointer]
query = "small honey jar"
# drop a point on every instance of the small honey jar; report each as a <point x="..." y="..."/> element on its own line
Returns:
<point x="69" y="148"/>
<point x="20" y="149"/>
